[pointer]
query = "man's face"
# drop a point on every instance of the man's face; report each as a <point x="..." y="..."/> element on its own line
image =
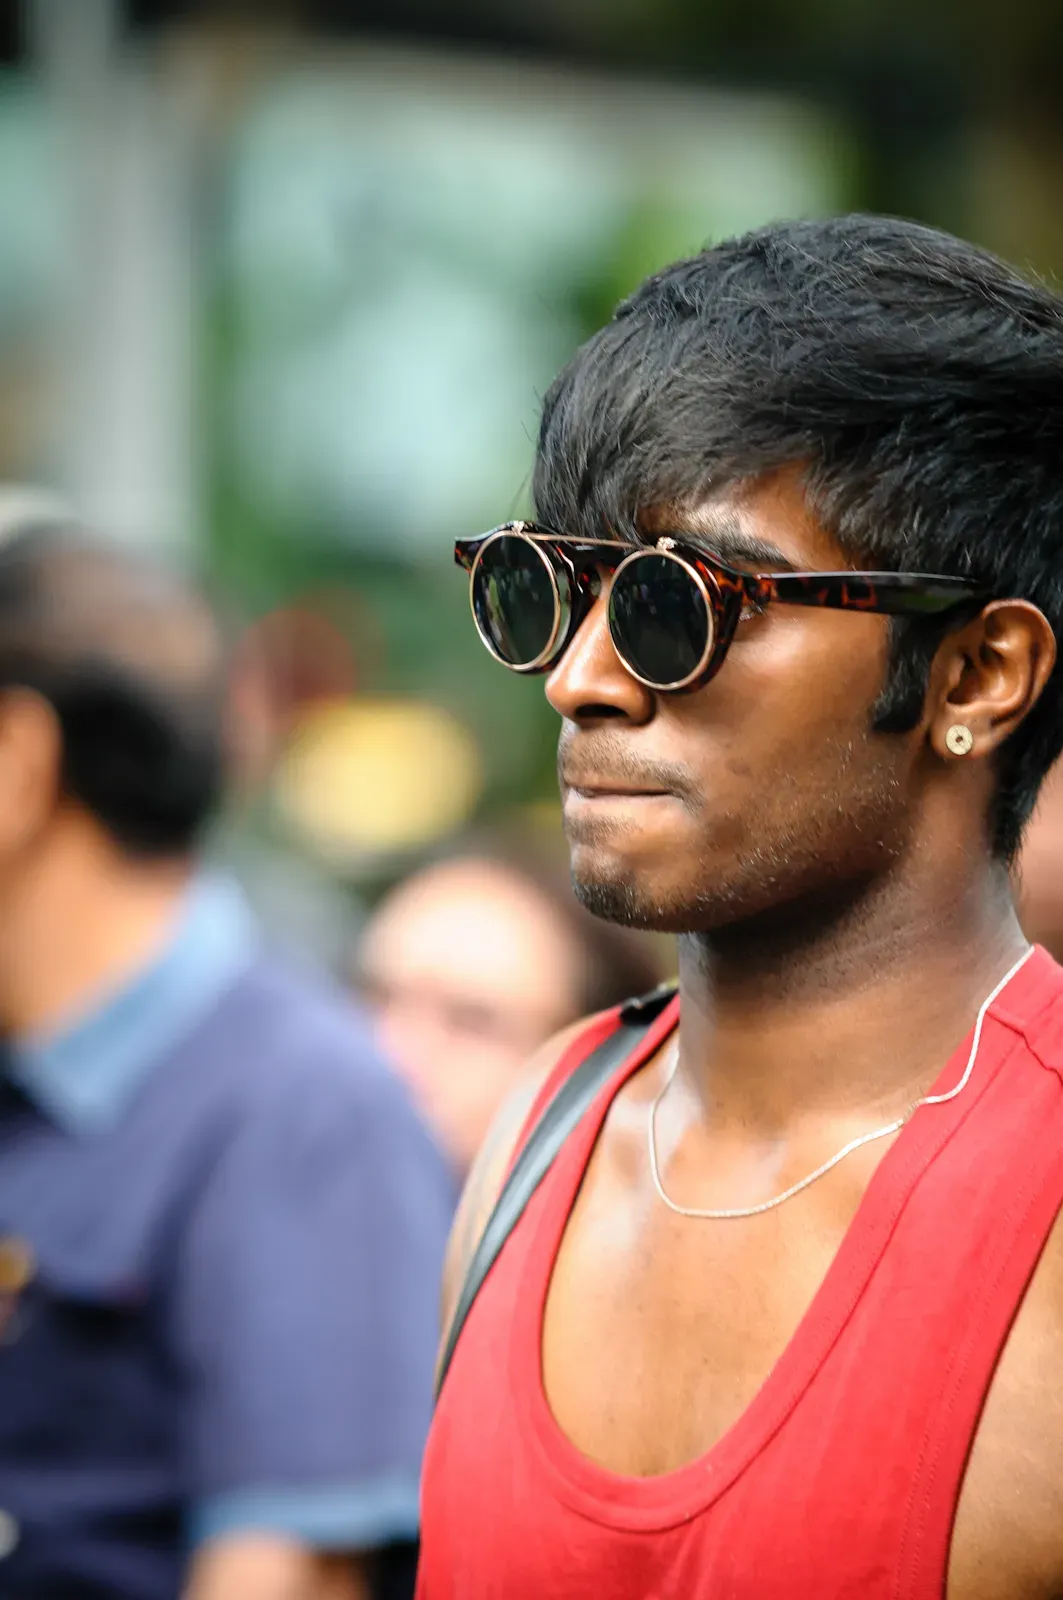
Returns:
<point x="468" y="969"/>
<point x="764" y="791"/>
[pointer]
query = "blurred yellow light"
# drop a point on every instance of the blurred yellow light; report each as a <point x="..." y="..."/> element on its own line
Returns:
<point x="373" y="776"/>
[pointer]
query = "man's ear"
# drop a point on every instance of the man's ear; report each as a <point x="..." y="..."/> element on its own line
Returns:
<point x="31" y="755"/>
<point x="989" y="675"/>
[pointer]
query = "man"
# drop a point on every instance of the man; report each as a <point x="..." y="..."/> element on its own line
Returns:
<point x="785" y="1316"/>
<point x="471" y="963"/>
<point x="220" y="1220"/>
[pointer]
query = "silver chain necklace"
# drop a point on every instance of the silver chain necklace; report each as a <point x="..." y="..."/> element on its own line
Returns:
<point x="846" y="1150"/>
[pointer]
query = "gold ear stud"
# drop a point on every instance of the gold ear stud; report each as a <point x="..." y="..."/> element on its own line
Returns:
<point x="959" y="740"/>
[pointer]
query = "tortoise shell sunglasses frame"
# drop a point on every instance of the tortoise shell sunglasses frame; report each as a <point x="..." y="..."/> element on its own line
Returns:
<point x="574" y="566"/>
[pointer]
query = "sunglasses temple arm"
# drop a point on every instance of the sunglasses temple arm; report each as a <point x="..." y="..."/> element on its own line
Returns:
<point x="892" y="598"/>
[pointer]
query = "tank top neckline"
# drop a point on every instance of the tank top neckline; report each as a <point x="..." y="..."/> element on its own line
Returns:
<point x="669" y="1499"/>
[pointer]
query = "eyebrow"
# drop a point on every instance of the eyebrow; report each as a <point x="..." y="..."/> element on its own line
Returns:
<point x="726" y="538"/>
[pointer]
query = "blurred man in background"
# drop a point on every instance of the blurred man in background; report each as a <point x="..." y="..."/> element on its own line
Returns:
<point x="220" y="1219"/>
<point x="473" y="962"/>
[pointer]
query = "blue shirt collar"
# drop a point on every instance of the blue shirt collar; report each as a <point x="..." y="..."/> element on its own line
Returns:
<point x="84" y="1075"/>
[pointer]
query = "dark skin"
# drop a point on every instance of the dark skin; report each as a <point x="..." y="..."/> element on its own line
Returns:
<point x="840" y="921"/>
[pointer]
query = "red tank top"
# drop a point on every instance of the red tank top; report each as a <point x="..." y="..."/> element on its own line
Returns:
<point x="842" y="1476"/>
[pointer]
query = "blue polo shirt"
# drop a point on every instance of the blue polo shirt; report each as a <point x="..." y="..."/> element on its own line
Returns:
<point x="231" y="1225"/>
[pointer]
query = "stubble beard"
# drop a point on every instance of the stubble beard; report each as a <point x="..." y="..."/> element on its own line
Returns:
<point x="796" y="864"/>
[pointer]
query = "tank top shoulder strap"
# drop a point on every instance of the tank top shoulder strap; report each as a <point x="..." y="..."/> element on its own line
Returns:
<point x="592" y="1058"/>
<point x="627" y="1024"/>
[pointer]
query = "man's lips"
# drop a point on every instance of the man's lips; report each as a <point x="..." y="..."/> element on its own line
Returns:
<point x="580" y="791"/>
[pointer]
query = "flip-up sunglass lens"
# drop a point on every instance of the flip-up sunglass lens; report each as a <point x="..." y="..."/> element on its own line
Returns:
<point x="661" y="620"/>
<point x="519" y="601"/>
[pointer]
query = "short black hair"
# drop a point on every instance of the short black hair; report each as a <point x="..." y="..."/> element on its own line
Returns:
<point x="132" y="661"/>
<point x="916" y="380"/>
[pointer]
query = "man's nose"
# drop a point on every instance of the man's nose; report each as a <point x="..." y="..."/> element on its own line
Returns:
<point x="590" y="682"/>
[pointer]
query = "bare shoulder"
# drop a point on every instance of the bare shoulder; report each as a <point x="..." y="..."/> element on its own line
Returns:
<point x="488" y="1171"/>
<point x="1008" y="1535"/>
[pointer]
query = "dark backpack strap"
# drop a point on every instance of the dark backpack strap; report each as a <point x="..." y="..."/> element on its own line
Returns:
<point x="542" y="1145"/>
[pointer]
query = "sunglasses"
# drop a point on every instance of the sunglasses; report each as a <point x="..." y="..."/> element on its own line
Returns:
<point x="672" y="608"/>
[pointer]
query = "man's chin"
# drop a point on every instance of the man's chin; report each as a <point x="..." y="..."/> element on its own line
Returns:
<point x="611" y="901"/>
<point x="628" y="901"/>
<point x="653" y="902"/>
<point x="612" y="886"/>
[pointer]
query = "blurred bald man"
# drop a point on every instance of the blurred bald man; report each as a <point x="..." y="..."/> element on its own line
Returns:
<point x="221" y="1221"/>
<point x="476" y="959"/>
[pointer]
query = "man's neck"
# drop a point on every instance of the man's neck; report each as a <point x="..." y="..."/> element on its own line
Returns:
<point x="847" y="1014"/>
<point x="79" y="925"/>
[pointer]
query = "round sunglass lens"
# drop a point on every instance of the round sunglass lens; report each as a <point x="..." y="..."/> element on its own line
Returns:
<point x="515" y="600"/>
<point x="659" y="620"/>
